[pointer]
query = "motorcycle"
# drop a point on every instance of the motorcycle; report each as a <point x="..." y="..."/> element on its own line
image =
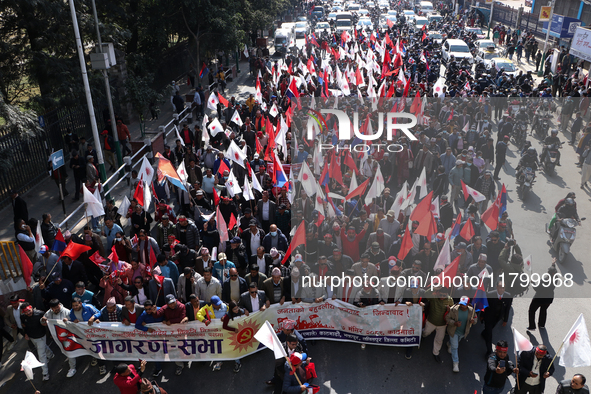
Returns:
<point x="567" y="233"/>
<point x="551" y="157"/>
<point x="520" y="133"/>
<point x="525" y="182"/>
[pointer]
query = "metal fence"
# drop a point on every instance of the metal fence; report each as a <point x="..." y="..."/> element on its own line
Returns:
<point x="29" y="157"/>
<point x="509" y="16"/>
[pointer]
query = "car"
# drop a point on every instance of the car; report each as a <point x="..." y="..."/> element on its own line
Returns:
<point x="301" y="19"/>
<point x="410" y="15"/>
<point x="337" y="8"/>
<point x="507" y="65"/>
<point x="420" y="21"/>
<point x="332" y="16"/>
<point x="486" y="55"/>
<point x="434" y="17"/>
<point x="353" y="7"/>
<point x="436" y="36"/>
<point x="479" y="33"/>
<point x="321" y="27"/>
<point x="484" y="44"/>
<point x="370" y="4"/>
<point x="458" y="48"/>
<point x="363" y="12"/>
<point x="301" y="29"/>
<point x="364" y="23"/>
<point x="384" y="4"/>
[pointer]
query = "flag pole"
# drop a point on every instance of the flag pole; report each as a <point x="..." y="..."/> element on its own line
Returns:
<point x="517" y="366"/>
<point x="294" y="371"/>
<point x="35" y="388"/>
<point x="559" y="349"/>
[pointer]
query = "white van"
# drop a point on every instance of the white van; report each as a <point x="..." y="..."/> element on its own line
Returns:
<point x="283" y="40"/>
<point x="344" y="21"/>
<point x="426" y="7"/>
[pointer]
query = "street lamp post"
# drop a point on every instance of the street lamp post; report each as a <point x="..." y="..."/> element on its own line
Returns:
<point x="108" y="88"/>
<point x="95" y="134"/>
<point x="490" y="17"/>
<point x="541" y="70"/>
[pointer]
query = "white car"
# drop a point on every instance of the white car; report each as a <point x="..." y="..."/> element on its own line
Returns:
<point x="332" y="16"/>
<point x="420" y="21"/>
<point x="482" y="44"/>
<point x="436" y="36"/>
<point x="479" y="33"/>
<point x="337" y="8"/>
<point x="410" y="15"/>
<point x="486" y="55"/>
<point x="458" y="48"/>
<point x="364" y="23"/>
<point x="507" y="65"/>
<point x="301" y="29"/>
<point x="321" y="27"/>
<point x="370" y="4"/>
<point x="363" y="12"/>
<point x="434" y="17"/>
<point x="384" y="4"/>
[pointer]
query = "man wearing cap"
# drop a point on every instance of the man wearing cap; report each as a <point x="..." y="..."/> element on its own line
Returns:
<point x="283" y="219"/>
<point x="222" y="267"/>
<point x="455" y="177"/>
<point x="59" y="288"/>
<point x="203" y="261"/>
<point x="35" y="332"/>
<point x="173" y="312"/>
<point x="534" y="369"/>
<point x="216" y="309"/>
<point x="459" y="320"/>
<point x="266" y="211"/>
<point x="499" y="368"/>
<point x="48" y="262"/>
<point x="246" y="218"/>
<point x="130" y="311"/>
<point x="390" y="225"/>
<point x="253" y="238"/>
<point x="111" y="312"/>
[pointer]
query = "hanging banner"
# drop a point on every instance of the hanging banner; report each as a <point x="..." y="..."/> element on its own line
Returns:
<point x="333" y="320"/>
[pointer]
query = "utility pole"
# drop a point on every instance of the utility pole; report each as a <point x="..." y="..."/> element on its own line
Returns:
<point x="95" y="134"/>
<point x="541" y="70"/>
<point x="490" y="18"/>
<point x="108" y="88"/>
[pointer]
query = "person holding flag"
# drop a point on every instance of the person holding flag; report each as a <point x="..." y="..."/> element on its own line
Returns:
<point x="535" y="367"/>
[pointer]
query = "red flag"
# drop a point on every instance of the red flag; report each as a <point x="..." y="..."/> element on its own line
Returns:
<point x="416" y="103"/>
<point x="97" y="258"/>
<point x="490" y="217"/>
<point x="424" y="36"/>
<point x="298" y="239"/>
<point x="467" y="231"/>
<point x="387" y="39"/>
<point x="149" y="270"/>
<point x="216" y="198"/>
<point x="349" y="162"/>
<point x="232" y="223"/>
<point x="335" y="170"/>
<point x="74" y="250"/>
<point x="139" y="193"/>
<point x="406" y="89"/>
<point x="223" y="100"/>
<point x="406" y="245"/>
<point x="358" y="77"/>
<point x="450" y="272"/>
<point x="113" y="256"/>
<point x="223" y="167"/>
<point x="427" y="226"/>
<point x="258" y="146"/>
<point x="359" y="191"/>
<point x="159" y="280"/>
<point x="27" y="266"/>
<point x="60" y="237"/>
<point x="422" y="208"/>
<point x="153" y="259"/>
<point x="390" y="24"/>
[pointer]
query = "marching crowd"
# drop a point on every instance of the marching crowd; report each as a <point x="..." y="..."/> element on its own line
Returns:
<point x="251" y="224"/>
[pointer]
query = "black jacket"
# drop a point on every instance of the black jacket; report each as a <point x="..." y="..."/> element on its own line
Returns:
<point x="497" y="309"/>
<point x="190" y="312"/>
<point x="494" y="379"/>
<point x="19" y="207"/>
<point x="227" y="292"/>
<point x="526" y="362"/>
<point x="75" y="272"/>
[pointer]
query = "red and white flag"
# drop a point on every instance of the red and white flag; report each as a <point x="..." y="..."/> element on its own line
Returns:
<point x="576" y="348"/>
<point x="444" y="256"/>
<point x="236" y="154"/>
<point x="266" y="335"/>
<point x="377" y="187"/>
<point x="274" y="111"/>
<point x="215" y="127"/>
<point x="527" y="264"/>
<point x="306" y="179"/>
<point x="212" y="102"/>
<point x="469" y="192"/>
<point x="467" y="86"/>
<point x="423" y="184"/>
<point x="236" y="119"/>
<point x="222" y="227"/>
<point x="521" y="342"/>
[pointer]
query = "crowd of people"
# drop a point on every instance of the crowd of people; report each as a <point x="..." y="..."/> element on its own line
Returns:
<point x="178" y="263"/>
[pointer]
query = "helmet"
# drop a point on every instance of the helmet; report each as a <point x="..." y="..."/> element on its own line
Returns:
<point x="531" y="151"/>
<point x="569" y="201"/>
<point x="554" y="131"/>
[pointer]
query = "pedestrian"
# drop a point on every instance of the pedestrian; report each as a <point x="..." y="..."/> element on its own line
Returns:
<point x="36" y="333"/>
<point x="19" y="207"/>
<point x="586" y="169"/>
<point x="499" y="306"/>
<point x="455" y="177"/>
<point x="501" y="153"/>
<point x="459" y="320"/>
<point x="574" y="386"/>
<point x="127" y="377"/>
<point x="535" y="367"/>
<point x="58" y="312"/>
<point x="499" y="368"/>
<point x="439" y="304"/>
<point x="542" y="300"/>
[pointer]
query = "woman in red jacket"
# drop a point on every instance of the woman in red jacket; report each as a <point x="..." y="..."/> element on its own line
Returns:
<point x="127" y="378"/>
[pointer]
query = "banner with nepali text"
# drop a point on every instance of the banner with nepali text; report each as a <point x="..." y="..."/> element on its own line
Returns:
<point x="334" y="320"/>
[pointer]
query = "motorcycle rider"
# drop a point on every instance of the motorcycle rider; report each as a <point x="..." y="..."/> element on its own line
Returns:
<point x="530" y="159"/>
<point x="552" y="139"/>
<point x="567" y="211"/>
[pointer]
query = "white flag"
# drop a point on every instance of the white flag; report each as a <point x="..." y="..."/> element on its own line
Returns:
<point x="435" y="207"/>
<point x="94" y="207"/>
<point x="204" y="123"/>
<point x="246" y="54"/>
<point x="215" y="127"/>
<point x="475" y="194"/>
<point x="29" y="363"/>
<point x="213" y="101"/>
<point x="247" y="190"/>
<point x="438" y="87"/>
<point x="266" y="335"/>
<point x="182" y="172"/>
<point x="236" y="154"/>
<point x="178" y="135"/>
<point x="377" y="187"/>
<point x="39" y="237"/>
<point x="124" y="207"/>
<point x="521" y="342"/>
<point x="146" y="172"/>
<point x="353" y="185"/>
<point x="527" y="264"/>
<point x="147" y="197"/>
<point x="255" y="181"/>
<point x="232" y="185"/>
<point x="306" y="179"/>
<point x="236" y="119"/>
<point x="400" y="198"/>
<point x="444" y="257"/>
<point x="423" y="183"/>
<point x="274" y="111"/>
<point x="222" y="227"/>
<point x="576" y="348"/>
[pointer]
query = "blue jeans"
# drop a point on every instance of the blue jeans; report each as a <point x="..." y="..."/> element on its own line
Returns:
<point x="455" y="342"/>
<point x="492" y="390"/>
